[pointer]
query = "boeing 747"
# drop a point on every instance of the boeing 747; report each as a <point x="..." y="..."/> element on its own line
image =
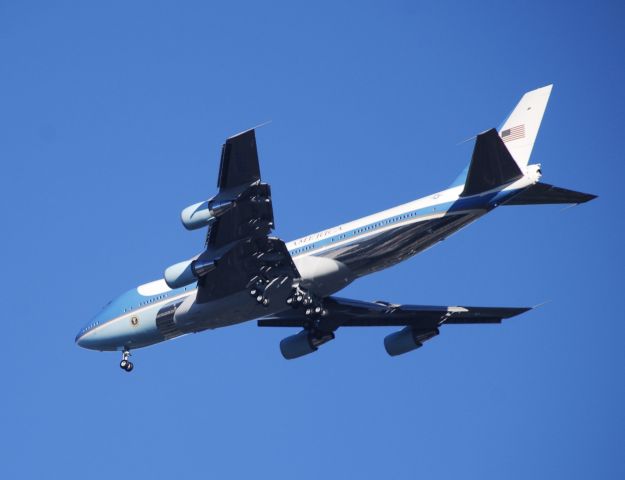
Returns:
<point x="244" y="273"/>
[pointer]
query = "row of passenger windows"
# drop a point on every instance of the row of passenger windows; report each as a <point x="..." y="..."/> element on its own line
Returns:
<point x="147" y="302"/>
<point x="152" y="300"/>
<point x="91" y="326"/>
<point x="358" y="230"/>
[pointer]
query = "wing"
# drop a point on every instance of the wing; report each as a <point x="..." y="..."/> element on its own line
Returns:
<point x="247" y="201"/>
<point x="238" y="242"/>
<point x="422" y="320"/>
<point x="239" y="161"/>
<point x="343" y="312"/>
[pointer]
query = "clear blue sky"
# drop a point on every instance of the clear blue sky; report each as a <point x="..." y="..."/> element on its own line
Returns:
<point x="112" y="116"/>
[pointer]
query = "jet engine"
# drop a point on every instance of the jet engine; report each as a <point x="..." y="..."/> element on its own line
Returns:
<point x="201" y="214"/>
<point x="303" y="343"/>
<point x="187" y="272"/>
<point x="407" y="340"/>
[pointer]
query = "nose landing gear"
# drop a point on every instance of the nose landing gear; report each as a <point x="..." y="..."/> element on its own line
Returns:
<point x="126" y="364"/>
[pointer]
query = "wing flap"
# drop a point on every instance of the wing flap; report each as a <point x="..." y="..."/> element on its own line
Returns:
<point x="242" y="262"/>
<point x="249" y="217"/>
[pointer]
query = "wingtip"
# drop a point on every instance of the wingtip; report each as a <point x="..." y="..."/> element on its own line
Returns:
<point x="522" y="310"/>
<point x="267" y="122"/>
<point x="540" y="304"/>
<point x="587" y="197"/>
<point x="509" y="312"/>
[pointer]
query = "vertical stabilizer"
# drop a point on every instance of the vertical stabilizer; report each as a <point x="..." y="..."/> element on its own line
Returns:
<point x="520" y="129"/>
<point x="491" y="165"/>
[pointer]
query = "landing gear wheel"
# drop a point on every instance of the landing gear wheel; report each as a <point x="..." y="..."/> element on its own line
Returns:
<point x="298" y="297"/>
<point x="126" y="364"/>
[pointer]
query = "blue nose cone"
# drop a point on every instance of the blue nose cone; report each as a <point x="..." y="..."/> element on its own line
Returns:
<point x="86" y="338"/>
<point x="92" y="335"/>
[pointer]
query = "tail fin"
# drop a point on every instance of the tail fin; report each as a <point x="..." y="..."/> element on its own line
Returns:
<point x="519" y="130"/>
<point x="491" y="165"/>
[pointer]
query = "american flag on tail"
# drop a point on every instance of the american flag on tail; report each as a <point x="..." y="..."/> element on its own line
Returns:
<point x="513" y="133"/>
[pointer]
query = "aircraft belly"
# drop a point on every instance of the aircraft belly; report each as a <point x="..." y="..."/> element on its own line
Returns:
<point x="376" y="252"/>
<point x="323" y="276"/>
<point x="240" y="307"/>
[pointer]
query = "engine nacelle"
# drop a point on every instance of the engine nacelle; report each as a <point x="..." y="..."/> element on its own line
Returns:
<point x="406" y="340"/>
<point x="201" y="214"/>
<point x="303" y="343"/>
<point x="184" y="273"/>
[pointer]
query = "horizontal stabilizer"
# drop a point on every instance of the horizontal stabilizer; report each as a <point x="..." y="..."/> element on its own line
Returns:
<point x="543" y="193"/>
<point x="491" y="165"/>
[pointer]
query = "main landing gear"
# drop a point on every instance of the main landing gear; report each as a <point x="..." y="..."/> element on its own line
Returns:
<point x="126" y="364"/>
<point x="313" y="306"/>
<point x="257" y="287"/>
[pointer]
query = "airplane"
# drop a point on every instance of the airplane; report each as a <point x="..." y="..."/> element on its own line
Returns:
<point x="244" y="273"/>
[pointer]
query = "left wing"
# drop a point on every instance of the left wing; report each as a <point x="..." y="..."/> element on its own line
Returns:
<point x="421" y="322"/>
<point x="239" y="251"/>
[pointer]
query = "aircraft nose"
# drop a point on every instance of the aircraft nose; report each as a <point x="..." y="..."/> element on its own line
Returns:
<point x="87" y="338"/>
<point x="80" y="339"/>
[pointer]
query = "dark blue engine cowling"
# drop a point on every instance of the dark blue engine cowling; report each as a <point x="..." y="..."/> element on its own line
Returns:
<point x="406" y="340"/>
<point x="303" y="343"/>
